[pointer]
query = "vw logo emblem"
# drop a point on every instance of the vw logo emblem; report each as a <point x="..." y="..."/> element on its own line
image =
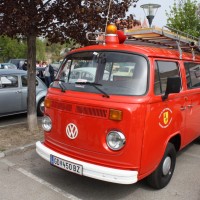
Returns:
<point x="72" y="131"/>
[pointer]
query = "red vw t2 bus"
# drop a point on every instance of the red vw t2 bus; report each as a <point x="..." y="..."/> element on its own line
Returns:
<point x="119" y="112"/>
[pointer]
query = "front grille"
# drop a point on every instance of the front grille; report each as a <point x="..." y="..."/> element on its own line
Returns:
<point x="62" y="106"/>
<point x="91" y="111"/>
<point x="80" y="109"/>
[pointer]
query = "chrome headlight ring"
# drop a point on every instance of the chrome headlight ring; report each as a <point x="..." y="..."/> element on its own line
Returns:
<point x="46" y="123"/>
<point x="115" y="140"/>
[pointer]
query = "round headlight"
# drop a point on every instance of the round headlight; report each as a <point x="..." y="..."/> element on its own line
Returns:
<point x="115" y="140"/>
<point x="46" y="123"/>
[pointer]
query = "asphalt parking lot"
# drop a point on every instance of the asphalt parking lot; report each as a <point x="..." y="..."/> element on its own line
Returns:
<point x="26" y="176"/>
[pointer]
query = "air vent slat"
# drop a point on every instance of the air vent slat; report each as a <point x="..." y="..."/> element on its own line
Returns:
<point x="91" y="111"/>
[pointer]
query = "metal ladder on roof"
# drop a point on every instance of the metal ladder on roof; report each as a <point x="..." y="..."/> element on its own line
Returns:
<point x="165" y="37"/>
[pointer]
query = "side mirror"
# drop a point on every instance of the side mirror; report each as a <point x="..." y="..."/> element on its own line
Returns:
<point x="173" y="86"/>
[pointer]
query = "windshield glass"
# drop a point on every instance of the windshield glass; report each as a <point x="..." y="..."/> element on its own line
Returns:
<point x="116" y="73"/>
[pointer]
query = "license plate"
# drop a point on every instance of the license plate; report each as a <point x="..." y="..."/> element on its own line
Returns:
<point x="66" y="165"/>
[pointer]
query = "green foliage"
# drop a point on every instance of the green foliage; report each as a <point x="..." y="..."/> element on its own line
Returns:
<point x="184" y="18"/>
<point x="40" y="50"/>
<point x="12" y="48"/>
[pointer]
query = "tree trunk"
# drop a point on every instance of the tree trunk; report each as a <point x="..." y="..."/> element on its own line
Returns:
<point x="31" y="114"/>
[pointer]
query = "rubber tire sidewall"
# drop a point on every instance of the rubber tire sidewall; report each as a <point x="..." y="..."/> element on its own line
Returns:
<point x="157" y="180"/>
<point x="39" y="112"/>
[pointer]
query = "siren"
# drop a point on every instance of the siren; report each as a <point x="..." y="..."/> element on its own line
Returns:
<point x="114" y="36"/>
<point x="121" y="36"/>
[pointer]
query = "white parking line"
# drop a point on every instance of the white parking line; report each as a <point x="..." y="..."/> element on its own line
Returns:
<point x="43" y="182"/>
<point x="39" y="180"/>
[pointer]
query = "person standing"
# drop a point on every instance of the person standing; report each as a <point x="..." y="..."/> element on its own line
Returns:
<point x="24" y="66"/>
<point x="48" y="75"/>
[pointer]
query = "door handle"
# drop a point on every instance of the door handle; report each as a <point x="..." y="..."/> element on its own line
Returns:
<point x="182" y="108"/>
<point x="190" y="106"/>
<point x="18" y="91"/>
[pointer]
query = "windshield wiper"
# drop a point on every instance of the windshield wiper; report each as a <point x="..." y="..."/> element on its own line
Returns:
<point x="95" y="85"/>
<point x="62" y="87"/>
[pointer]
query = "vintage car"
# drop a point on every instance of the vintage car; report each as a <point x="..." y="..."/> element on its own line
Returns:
<point x="13" y="92"/>
<point x="7" y="66"/>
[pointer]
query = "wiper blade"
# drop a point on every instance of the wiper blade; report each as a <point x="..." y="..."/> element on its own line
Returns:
<point x="95" y="85"/>
<point x="62" y="87"/>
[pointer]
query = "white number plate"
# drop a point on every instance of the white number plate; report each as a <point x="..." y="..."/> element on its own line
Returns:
<point x="66" y="165"/>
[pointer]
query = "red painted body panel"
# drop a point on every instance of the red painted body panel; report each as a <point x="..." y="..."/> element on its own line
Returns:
<point x="142" y="123"/>
<point x="90" y="144"/>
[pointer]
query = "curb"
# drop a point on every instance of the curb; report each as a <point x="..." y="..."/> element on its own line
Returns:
<point x="15" y="150"/>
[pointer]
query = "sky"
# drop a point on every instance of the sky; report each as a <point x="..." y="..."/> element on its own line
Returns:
<point x="160" y="18"/>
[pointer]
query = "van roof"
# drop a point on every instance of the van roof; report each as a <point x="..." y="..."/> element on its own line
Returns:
<point x="148" y="51"/>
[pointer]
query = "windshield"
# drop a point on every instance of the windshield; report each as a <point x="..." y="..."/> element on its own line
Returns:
<point x="116" y="73"/>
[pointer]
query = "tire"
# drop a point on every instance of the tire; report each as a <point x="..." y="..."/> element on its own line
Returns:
<point x="40" y="107"/>
<point x="198" y="140"/>
<point x="163" y="173"/>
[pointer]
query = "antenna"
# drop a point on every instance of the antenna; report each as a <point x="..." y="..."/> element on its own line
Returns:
<point x="108" y="15"/>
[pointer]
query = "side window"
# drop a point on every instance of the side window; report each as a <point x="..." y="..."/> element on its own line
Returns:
<point x="25" y="82"/>
<point x="8" y="81"/>
<point x="192" y="74"/>
<point x="163" y="70"/>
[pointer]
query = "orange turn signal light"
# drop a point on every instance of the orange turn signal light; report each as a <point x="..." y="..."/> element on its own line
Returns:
<point x="47" y="103"/>
<point x="111" y="29"/>
<point x="115" y="115"/>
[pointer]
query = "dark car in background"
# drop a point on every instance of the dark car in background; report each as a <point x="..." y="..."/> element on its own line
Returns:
<point x="18" y="62"/>
<point x="13" y="92"/>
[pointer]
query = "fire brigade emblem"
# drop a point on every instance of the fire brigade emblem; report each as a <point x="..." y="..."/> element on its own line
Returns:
<point x="72" y="131"/>
<point x="165" y="118"/>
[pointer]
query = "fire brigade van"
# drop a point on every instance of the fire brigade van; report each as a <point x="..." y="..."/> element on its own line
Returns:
<point x="120" y="110"/>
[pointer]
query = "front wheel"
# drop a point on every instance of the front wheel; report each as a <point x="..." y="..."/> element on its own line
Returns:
<point x="40" y="107"/>
<point x="198" y="140"/>
<point x="163" y="173"/>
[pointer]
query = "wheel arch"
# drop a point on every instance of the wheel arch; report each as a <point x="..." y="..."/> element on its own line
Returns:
<point x="176" y="141"/>
<point x="40" y="96"/>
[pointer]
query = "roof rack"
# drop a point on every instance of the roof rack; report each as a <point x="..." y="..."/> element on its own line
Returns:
<point x="164" y="37"/>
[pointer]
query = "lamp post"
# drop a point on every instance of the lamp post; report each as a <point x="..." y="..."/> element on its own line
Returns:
<point x="150" y="11"/>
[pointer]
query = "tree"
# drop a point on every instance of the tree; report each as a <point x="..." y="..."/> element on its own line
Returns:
<point x="185" y="18"/>
<point x="40" y="49"/>
<point x="11" y="48"/>
<point x="56" y="20"/>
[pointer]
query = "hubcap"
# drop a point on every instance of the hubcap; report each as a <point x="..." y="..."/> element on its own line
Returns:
<point x="42" y="107"/>
<point x="166" y="165"/>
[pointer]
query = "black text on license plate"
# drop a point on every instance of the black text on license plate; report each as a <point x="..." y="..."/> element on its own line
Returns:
<point x="66" y="165"/>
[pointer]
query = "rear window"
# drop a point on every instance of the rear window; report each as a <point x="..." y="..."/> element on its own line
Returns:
<point x="192" y="74"/>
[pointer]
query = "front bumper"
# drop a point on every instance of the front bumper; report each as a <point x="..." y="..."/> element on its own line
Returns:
<point x="91" y="170"/>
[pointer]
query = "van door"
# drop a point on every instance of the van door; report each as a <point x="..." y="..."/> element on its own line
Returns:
<point x="164" y="118"/>
<point x="10" y="100"/>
